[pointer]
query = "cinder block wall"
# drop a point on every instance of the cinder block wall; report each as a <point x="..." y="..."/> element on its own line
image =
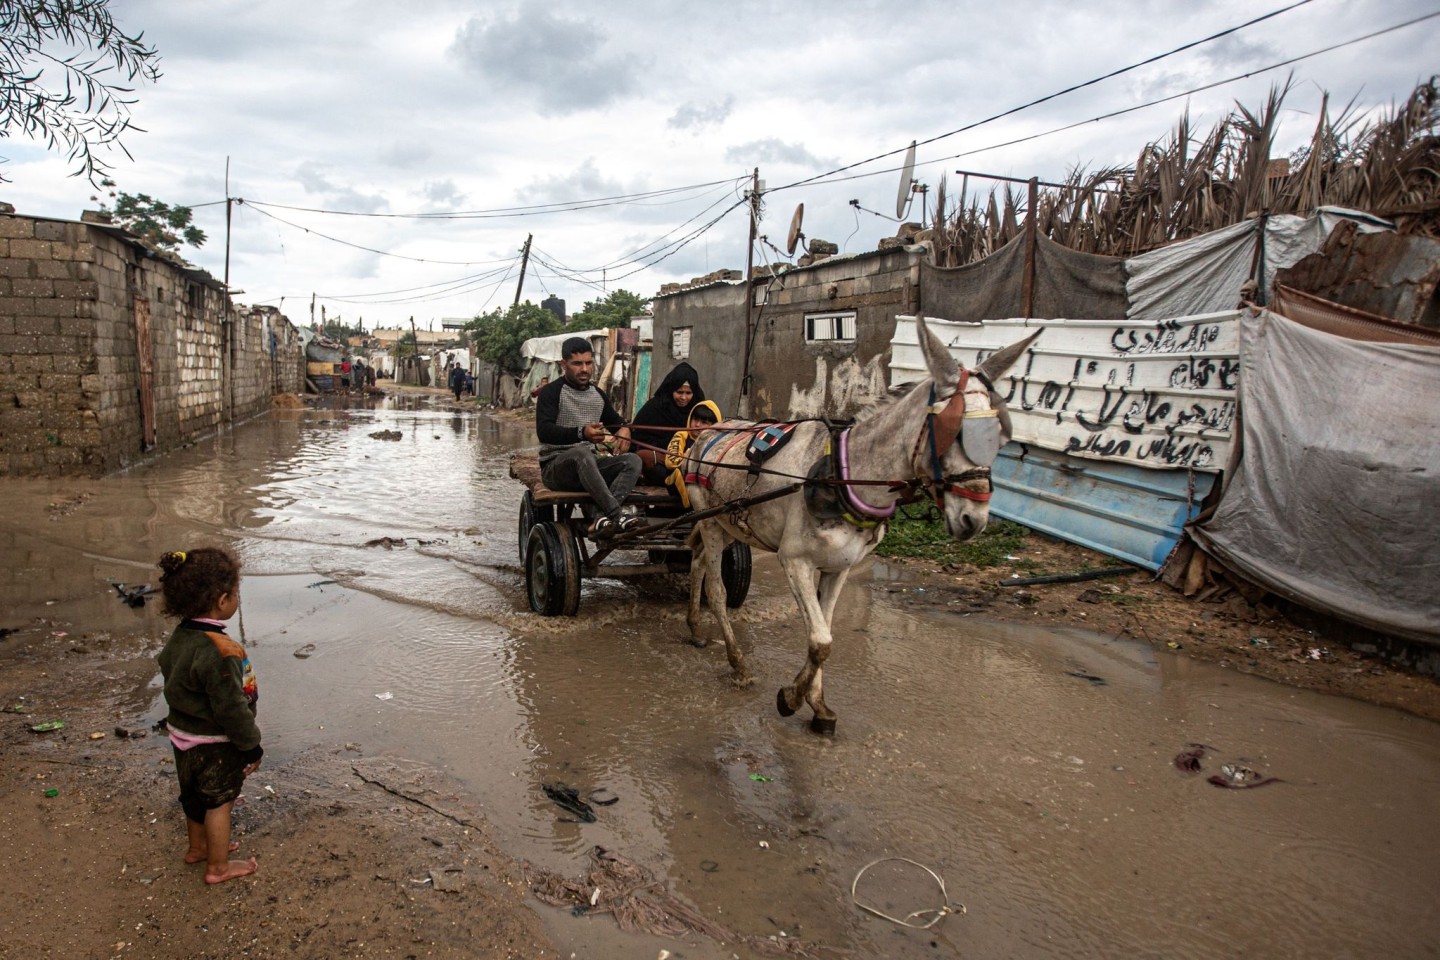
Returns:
<point x="72" y="296"/>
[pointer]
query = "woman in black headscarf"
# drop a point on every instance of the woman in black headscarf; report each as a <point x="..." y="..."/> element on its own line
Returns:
<point x="669" y="407"/>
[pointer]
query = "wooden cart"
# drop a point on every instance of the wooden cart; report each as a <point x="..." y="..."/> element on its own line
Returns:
<point x="556" y="554"/>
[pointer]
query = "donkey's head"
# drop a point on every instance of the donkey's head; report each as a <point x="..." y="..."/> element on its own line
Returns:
<point x="966" y="425"/>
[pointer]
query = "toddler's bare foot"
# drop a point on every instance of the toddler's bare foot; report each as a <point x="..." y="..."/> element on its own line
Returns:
<point x="232" y="870"/>
<point x="200" y="856"/>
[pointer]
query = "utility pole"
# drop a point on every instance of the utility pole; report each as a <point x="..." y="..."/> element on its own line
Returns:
<point x="524" y="260"/>
<point x="749" y="292"/>
<point x="229" y="204"/>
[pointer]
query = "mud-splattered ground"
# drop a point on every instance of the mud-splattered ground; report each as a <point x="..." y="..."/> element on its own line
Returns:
<point x="386" y="836"/>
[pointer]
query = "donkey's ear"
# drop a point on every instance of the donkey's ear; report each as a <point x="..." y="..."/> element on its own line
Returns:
<point x="998" y="362"/>
<point x="943" y="368"/>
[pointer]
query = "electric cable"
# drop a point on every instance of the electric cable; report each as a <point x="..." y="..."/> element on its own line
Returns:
<point x="1059" y="93"/>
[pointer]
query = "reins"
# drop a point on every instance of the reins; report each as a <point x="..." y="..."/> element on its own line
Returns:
<point x="942" y="427"/>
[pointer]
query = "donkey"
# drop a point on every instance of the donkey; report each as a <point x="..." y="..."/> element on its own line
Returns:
<point x="852" y="480"/>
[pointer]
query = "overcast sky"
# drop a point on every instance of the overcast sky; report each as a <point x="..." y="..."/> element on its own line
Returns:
<point x="442" y="107"/>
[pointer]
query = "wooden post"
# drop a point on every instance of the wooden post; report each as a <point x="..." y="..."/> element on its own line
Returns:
<point x="524" y="260"/>
<point x="749" y="292"/>
<point x="1027" y="290"/>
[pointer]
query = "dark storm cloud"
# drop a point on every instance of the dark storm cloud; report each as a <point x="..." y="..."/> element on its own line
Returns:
<point x="443" y="195"/>
<point x="585" y="182"/>
<point x="774" y="150"/>
<point x="692" y="115"/>
<point x="562" y="64"/>
<point x="404" y="156"/>
<point x="311" y="176"/>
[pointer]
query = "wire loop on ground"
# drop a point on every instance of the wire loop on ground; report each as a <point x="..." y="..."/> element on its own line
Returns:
<point x="939" y="913"/>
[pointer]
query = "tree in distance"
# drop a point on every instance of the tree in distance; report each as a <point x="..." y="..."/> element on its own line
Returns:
<point x="155" y="220"/>
<point x="615" y="310"/>
<point x="498" y="335"/>
<point x="62" y="66"/>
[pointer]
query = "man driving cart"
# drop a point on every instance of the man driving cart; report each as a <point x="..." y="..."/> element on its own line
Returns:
<point x="572" y="415"/>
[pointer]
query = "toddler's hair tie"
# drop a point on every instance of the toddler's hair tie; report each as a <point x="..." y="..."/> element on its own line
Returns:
<point x="179" y="555"/>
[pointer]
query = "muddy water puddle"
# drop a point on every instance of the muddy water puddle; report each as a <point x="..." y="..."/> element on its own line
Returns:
<point x="1031" y="769"/>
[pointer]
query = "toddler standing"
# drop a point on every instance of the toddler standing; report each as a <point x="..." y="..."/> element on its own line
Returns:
<point x="210" y="690"/>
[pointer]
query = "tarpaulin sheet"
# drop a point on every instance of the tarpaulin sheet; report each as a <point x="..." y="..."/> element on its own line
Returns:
<point x="1205" y="273"/>
<point x="1067" y="284"/>
<point x="1335" y="499"/>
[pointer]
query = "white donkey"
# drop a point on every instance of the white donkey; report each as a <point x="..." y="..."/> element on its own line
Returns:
<point x="938" y="436"/>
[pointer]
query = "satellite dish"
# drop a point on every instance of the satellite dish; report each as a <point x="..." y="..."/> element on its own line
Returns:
<point x="795" y="236"/>
<point x="907" y="181"/>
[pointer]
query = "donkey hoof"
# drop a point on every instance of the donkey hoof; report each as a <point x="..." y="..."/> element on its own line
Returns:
<point x="783" y="705"/>
<point x="824" y="726"/>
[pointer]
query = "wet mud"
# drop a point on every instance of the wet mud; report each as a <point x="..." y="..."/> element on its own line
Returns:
<point x="1031" y="767"/>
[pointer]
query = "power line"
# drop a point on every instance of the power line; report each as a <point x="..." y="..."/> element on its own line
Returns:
<point x="568" y="206"/>
<point x="1131" y="109"/>
<point x="1059" y="93"/>
<point x="357" y="246"/>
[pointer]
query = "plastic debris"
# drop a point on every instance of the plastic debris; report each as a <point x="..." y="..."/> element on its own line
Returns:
<point x="387" y="695"/>
<point x="568" y="798"/>
<point x="304" y="652"/>
<point x="52" y="792"/>
<point x="759" y="778"/>
<point x="49" y="726"/>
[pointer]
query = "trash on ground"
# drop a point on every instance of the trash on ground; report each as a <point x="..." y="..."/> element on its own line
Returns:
<point x="48" y="726"/>
<point x="602" y="797"/>
<point x="133" y="596"/>
<point x="1236" y="776"/>
<point x="759" y="778"/>
<point x="131" y="733"/>
<point x="389" y="543"/>
<point x="97" y="735"/>
<point x="387" y="435"/>
<point x="305" y="651"/>
<point x="52" y="792"/>
<point x="387" y="695"/>
<point x="568" y="798"/>
<point x="321" y="583"/>
<point x="1189" y="759"/>
<point x="1096" y="681"/>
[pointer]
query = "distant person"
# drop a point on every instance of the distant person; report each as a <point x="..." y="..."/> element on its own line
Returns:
<point x="370" y="375"/>
<point x="345" y="371"/>
<point x="544" y="382"/>
<point x="669" y="409"/>
<point x="571" y="416"/>
<point x="457" y="381"/>
<point x="357" y="375"/>
<point x="211" y="695"/>
<point x="469" y="384"/>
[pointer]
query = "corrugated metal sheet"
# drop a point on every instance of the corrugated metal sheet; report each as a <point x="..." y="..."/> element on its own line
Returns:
<point x="1133" y="514"/>
<point x="1154" y="395"/>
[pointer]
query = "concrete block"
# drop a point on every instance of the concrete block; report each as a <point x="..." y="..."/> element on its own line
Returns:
<point x="49" y="230"/>
<point x="75" y="326"/>
<point x="29" y="324"/>
<point x="31" y="249"/>
<point x="32" y="363"/>
<point x="17" y="228"/>
<point x="36" y="287"/>
<point x="11" y="267"/>
<point x="54" y="307"/>
<point x="54" y="269"/>
<point x="77" y="289"/>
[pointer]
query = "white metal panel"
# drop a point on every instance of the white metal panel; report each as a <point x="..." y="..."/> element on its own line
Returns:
<point x="1160" y="395"/>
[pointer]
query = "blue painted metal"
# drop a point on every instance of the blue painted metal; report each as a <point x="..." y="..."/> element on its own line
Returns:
<point x="1130" y="513"/>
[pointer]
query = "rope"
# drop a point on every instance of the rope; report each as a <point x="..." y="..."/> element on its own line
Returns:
<point x="940" y="913"/>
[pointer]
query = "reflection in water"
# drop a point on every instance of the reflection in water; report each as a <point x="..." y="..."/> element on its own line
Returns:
<point x="1046" y="800"/>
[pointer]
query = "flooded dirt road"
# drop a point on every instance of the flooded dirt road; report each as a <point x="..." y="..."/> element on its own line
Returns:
<point x="1031" y="768"/>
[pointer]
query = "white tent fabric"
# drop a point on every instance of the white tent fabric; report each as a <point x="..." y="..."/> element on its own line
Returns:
<point x="1335" y="499"/>
<point x="548" y="348"/>
<point x="1205" y="274"/>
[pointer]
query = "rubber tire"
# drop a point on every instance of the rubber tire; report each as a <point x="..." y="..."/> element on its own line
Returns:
<point x="530" y="514"/>
<point x="735" y="573"/>
<point x="552" y="570"/>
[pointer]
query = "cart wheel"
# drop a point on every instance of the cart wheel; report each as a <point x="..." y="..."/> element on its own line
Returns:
<point x="531" y="514"/>
<point x="552" y="570"/>
<point x="735" y="573"/>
